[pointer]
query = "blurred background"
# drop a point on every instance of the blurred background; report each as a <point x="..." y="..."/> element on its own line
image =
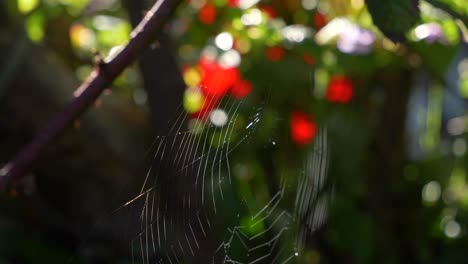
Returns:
<point x="272" y="131"/>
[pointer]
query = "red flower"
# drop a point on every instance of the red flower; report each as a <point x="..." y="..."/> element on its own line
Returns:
<point x="274" y="53"/>
<point x="233" y="3"/>
<point x="207" y="14"/>
<point x="269" y="10"/>
<point x="241" y="89"/>
<point x="303" y="128"/>
<point x="207" y="64"/>
<point x="339" y="90"/>
<point x="320" y="20"/>
<point x="308" y="59"/>
<point x="217" y="80"/>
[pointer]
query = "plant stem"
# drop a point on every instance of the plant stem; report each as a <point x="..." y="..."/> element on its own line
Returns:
<point x="99" y="79"/>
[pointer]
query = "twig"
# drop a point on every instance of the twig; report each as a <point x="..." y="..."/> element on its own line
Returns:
<point x="101" y="77"/>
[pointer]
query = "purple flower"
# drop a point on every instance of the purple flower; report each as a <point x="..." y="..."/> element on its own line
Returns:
<point x="430" y="33"/>
<point x="356" y="40"/>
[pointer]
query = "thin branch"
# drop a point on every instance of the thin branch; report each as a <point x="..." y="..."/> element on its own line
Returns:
<point x="101" y="77"/>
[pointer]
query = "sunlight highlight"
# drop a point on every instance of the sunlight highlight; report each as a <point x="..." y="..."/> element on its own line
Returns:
<point x="224" y="41"/>
<point x="218" y="117"/>
<point x="431" y="192"/>
<point x="252" y="17"/>
<point x="230" y="59"/>
<point x="452" y="229"/>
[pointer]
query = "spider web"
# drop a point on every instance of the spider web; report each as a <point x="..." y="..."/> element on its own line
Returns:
<point x="190" y="209"/>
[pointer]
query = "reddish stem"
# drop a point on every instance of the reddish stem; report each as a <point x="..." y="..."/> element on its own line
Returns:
<point x="89" y="90"/>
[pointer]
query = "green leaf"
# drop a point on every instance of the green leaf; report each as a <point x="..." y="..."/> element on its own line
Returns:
<point x="394" y="17"/>
<point x="26" y="6"/>
<point x="114" y="35"/>
<point x="464" y="87"/>
<point x="436" y="57"/>
<point x="35" y="26"/>
<point x="456" y="8"/>
<point x="75" y="7"/>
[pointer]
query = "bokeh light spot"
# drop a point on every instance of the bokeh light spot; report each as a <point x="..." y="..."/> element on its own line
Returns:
<point x="339" y="90"/>
<point x="218" y="117"/>
<point x="431" y="192"/>
<point x="26" y="6"/>
<point x="303" y="129"/>
<point x="452" y="229"/>
<point x="224" y="41"/>
<point x="193" y="100"/>
<point x="207" y="14"/>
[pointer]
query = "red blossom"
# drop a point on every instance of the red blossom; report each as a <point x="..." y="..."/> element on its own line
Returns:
<point x="303" y="128"/>
<point x="207" y="64"/>
<point x="207" y="14"/>
<point x="269" y="10"/>
<point x="216" y="80"/>
<point x="320" y="20"/>
<point x="233" y="3"/>
<point x="340" y="89"/>
<point x="241" y="89"/>
<point x="274" y="53"/>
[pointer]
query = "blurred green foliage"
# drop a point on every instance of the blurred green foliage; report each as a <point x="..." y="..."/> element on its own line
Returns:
<point x="388" y="206"/>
